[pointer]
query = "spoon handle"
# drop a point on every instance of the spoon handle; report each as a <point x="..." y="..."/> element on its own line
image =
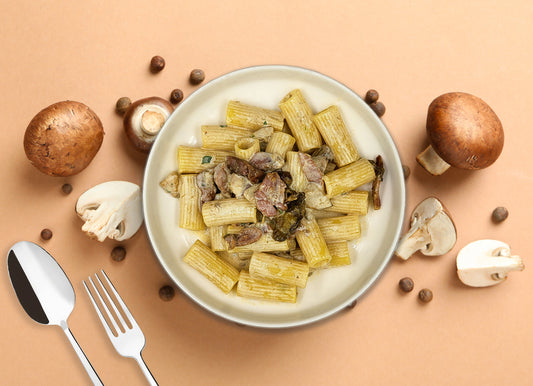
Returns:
<point x="88" y="367"/>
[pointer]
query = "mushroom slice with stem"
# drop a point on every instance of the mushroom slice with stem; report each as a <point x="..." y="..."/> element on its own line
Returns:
<point x="432" y="231"/>
<point x="112" y="210"/>
<point x="463" y="132"/>
<point x="483" y="263"/>
<point x="144" y="119"/>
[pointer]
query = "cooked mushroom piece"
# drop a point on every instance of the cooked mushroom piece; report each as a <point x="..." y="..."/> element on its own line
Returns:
<point x="432" y="231"/>
<point x="112" y="210"/>
<point x="144" y="119"/>
<point x="62" y="139"/>
<point x="484" y="263"/>
<point x="463" y="132"/>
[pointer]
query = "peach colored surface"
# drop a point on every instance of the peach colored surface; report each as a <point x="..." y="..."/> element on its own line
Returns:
<point x="411" y="51"/>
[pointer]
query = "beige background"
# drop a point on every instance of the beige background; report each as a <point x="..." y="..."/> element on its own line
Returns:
<point x="410" y="51"/>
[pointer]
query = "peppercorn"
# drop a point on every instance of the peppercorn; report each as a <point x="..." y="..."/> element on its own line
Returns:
<point x="46" y="234"/>
<point x="197" y="76"/>
<point x="378" y="108"/>
<point x="499" y="214"/>
<point x="425" y="295"/>
<point x="371" y="96"/>
<point x="406" y="284"/>
<point x="157" y="64"/>
<point x="118" y="253"/>
<point x="122" y="105"/>
<point x="406" y="171"/>
<point x="66" y="188"/>
<point x="176" y="96"/>
<point x="166" y="293"/>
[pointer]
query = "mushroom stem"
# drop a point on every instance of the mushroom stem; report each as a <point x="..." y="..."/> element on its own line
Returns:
<point x="415" y="240"/>
<point x="432" y="162"/>
<point x="152" y="122"/>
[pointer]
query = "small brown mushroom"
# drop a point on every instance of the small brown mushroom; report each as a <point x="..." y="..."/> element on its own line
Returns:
<point x="144" y="119"/>
<point x="463" y="132"/>
<point x="62" y="139"/>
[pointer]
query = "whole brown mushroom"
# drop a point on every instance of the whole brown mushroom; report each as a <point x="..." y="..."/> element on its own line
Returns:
<point x="144" y="119"/>
<point x="463" y="132"/>
<point x="62" y="139"/>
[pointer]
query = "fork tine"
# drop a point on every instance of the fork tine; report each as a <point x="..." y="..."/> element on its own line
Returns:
<point x="117" y="312"/>
<point x="119" y="299"/>
<point x="100" y="315"/>
<point x="104" y="306"/>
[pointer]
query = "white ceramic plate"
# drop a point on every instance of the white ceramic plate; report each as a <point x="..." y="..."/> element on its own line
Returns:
<point x="327" y="291"/>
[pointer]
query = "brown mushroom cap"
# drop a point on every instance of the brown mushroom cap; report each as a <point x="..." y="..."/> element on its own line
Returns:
<point x="62" y="139"/>
<point x="140" y="112"/>
<point x="464" y="131"/>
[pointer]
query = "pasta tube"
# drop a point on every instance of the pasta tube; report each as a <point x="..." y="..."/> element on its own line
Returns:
<point x="245" y="148"/>
<point x="349" y="177"/>
<point x="252" y="117"/>
<point x="331" y="126"/>
<point x="280" y="143"/>
<point x="205" y="261"/>
<point x="299" y="118"/>
<point x="238" y="260"/>
<point x="196" y="159"/>
<point x="340" y="228"/>
<point x="340" y="254"/>
<point x="354" y="202"/>
<point x="190" y="214"/>
<point x="222" y="137"/>
<point x="216" y="234"/>
<point x="228" y="211"/>
<point x="255" y="288"/>
<point x="294" y="166"/>
<point x="270" y="267"/>
<point x="313" y="244"/>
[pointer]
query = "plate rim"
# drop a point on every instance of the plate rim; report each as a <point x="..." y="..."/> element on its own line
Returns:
<point x="312" y="319"/>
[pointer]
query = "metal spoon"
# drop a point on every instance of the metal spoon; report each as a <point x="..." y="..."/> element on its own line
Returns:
<point x="44" y="291"/>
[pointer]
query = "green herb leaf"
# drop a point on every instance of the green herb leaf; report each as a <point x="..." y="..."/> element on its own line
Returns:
<point x="206" y="159"/>
<point x="265" y="123"/>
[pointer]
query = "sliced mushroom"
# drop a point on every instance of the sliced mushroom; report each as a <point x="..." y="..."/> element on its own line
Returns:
<point x="483" y="263"/>
<point x="463" y="132"/>
<point x="144" y="119"/>
<point x="112" y="210"/>
<point x="432" y="231"/>
<point x="170" y="184"/>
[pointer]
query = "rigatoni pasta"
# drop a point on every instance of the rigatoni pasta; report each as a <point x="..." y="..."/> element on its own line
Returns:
<point x="273" y="202"/>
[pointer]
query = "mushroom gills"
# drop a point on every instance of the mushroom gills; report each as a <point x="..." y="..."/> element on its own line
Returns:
<point x="484" y="263"/>
<point x="112" y="210"/>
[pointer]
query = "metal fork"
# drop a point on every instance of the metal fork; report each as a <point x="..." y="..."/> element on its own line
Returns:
<point x="129" y="343"/>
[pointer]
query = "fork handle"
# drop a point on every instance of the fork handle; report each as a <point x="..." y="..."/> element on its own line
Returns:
<point x="88" y="367"/>
<point x="146" y="370"/>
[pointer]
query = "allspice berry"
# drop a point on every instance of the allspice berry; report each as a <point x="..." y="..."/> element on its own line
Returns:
<point x="406" y="171"/>
<point x="118" y="253"/>
<point x="425" y="295"/>
<point x="197" y="76"/>
<point x="122" y="105"/>
<point x="167" y="293"/>
<point x="176" y="96"/>
<point x="66" y="188"/>
<point x="406" y="284"/>
<point x="351" y="305"/>
<point x="371" y="96"/>
<point x="378" y="108"/>
<point x="157" y="64"/>
<point x="46" y="234"/>
<point x="500" y="214"/>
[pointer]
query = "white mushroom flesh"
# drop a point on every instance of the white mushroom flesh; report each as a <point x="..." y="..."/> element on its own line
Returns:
<point x="111" y="210"/>
<point x="147" y="121"/>
<point x="484" y="263"/>
<point x="432" y="231"/>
